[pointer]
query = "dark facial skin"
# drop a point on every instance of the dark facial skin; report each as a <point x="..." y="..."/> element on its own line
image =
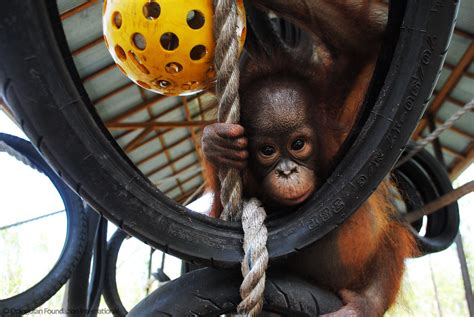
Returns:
<point x="278" y="144"/>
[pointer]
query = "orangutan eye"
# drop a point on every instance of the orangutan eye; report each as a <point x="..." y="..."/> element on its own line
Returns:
<point x="267" y="150"/>
<point x="297" y="145"/>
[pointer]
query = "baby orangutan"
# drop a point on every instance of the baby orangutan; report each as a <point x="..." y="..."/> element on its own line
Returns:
<point x="295" y="115"/>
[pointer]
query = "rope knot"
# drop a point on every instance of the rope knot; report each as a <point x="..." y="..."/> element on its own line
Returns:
<point x="255" y="260"/>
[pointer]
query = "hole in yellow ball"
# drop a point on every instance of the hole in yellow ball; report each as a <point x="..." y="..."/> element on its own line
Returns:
<point x="169" y="41"/>
<point x="136" y="60"/>
<point x="143" y="84"/>
<point x="190" y="85"/>
<point x="120" y="53"/>
<point x="117" y="19"/>
<point x="173" y="68"/>
<point x="139" y="41"/>
<point x="162" y="83"/>
<point x="198" y="52"/>
<point x="211" y="72"/>
<point x="151" y="10"/>
<point x="195" y="19"/>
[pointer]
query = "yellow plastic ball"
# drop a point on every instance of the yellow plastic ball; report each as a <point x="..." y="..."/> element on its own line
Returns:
<point x="166" y="46"/>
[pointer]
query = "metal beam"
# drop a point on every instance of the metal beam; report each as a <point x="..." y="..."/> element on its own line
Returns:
<point x="135" y="109"/>
<point x="101" y="71"/>
<point x="194" y="194"/>
<point x="464" y="33"/>
<point x="114" y="92"/>
<point x="187" y="170"/>
<point x="185" y="182"/>
<point x="139" y="143"/>
<point x="135" y="141"/>
<point x="452" y="152"/>
<point x="139" y="138"/>
<point x="457" y="130"/>
<point x="164" y="146"/>
<point x="457" y="169"/>
<point x="160" y="151"/>
<point x="181" y="199"/>
<point x="89" y="45"/>
<point x="79" y="8"/>
<point x="196" y="140"/>
<point x="162" y="167"/>
<point x="171" y="163"/>
<point x="156" y="125"/>
<point x="123" y="134"/>
<point x="450" y="66"/>
<point x="212" y="107"/>
<point x="455" y="101"/>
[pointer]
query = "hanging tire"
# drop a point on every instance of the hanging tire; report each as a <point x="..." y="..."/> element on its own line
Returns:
<point x="75" y="239"/>
<point x="423" y="179"/>
<point x="211" y="292"/>
<point x="41" y="85"/>
<point x="110" y="291"/>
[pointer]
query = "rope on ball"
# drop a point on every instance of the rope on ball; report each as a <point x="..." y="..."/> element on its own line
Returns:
<point x="251" y="213"/>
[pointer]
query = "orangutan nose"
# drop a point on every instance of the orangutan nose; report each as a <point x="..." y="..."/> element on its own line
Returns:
<point x="286" y="167"/>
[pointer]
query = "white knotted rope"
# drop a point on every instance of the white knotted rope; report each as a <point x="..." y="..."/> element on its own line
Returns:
<point x="251" y="213"/>
<point x="255" y="261"/>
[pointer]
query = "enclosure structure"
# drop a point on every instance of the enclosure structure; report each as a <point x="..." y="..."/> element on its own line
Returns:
<point x="146" y="134"/>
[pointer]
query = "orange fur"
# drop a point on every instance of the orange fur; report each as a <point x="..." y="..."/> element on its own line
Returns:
<point x="366" y="253"/>
<point x="212" y="185"/>
<point x="347" y="115"/>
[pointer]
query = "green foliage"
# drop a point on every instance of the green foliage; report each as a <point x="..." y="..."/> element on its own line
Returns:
<point x="11" y="272"/>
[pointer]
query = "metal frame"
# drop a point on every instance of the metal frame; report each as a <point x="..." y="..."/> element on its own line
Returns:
<point x="194" y="123"/>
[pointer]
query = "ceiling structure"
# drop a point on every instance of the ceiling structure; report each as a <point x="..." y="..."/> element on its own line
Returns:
<point x="161" y="135"/>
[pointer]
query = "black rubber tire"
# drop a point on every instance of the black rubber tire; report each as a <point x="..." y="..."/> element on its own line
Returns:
<point x="110" y="291"/>
<point x="74" y="245"/>
<point x="429" y="180"/>
<point x="265" y="35"/>
<point x="211" y="292"/>
<point x="41" y="85"/>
